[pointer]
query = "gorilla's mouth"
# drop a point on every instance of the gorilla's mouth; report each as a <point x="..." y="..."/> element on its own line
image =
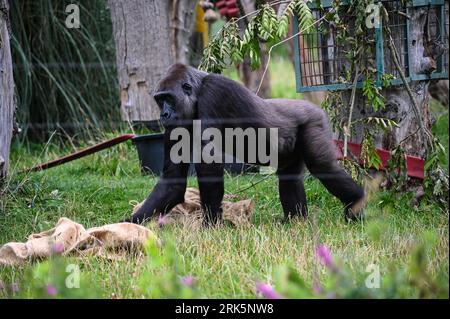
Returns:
<point x="165" y="121"/>
<point x="169" y="120"/>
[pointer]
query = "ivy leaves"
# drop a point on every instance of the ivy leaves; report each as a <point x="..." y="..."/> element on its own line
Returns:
<point x="373" y="95"/>
<point x="436" y="184"/>
<point x="369" y="155"/>
<point x="228" y="47"/>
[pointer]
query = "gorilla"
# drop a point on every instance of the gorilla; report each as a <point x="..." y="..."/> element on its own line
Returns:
<point x="186" y="94"/>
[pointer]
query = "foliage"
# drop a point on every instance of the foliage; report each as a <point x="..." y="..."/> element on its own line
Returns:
<point x="352" y="167"/>
<point x="61" y="277"/>
<point x="372" y="94"/>
<point x="359" y="45"/>
<point x="53" y="278"/>
<point x="161" y="276"/>
<point x="369" y="156"/>
<point x="228" y="47"/>
<point x="436" y="184"/>
<point x="66" y="78"/>
<point x="396" y="169"/>
<point x="342" y="282"/>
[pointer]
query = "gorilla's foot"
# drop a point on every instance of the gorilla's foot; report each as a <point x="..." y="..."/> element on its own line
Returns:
<point x="355" y="212"/>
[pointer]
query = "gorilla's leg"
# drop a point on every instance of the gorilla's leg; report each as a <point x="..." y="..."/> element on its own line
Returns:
<point x="321" y="162"/>
<point x="211" y="186"/>
<point x="291" y="190"/>
<point x="340" y="184"/>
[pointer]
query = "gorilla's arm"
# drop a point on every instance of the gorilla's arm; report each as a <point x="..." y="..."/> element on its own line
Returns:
<point x="169" y="191"/>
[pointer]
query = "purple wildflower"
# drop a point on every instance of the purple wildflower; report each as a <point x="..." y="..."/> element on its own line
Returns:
<point x="317" y="287"/>
<point x="162" y="220"/>
<point x="187" y="281"/>
<point x="51" y="290"/>
<point x="14" y="287"/>
<point x="323" y="253"/>
<point x="267" y="291"/>
<point x="58" y="248"/>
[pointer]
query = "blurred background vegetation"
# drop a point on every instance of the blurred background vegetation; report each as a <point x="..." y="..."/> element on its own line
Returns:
<point x="66" y="79"/>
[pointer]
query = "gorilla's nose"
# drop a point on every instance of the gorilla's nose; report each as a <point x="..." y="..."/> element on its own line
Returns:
<point x="165" y="115"/>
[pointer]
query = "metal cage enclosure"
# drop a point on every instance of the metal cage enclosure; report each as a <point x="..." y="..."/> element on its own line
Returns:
<point x="321" y="64"/>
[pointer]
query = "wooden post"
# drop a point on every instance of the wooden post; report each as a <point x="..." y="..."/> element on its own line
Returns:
<point x="7" y="103"/>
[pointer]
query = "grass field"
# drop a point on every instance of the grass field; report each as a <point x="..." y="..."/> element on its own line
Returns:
<point x="226" y="262"/>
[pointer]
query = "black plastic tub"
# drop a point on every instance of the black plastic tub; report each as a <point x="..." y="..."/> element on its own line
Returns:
<point x="150" y="149"/>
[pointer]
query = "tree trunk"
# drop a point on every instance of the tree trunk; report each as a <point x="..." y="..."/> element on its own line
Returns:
<point x="439" y="91"/>
<point x="150" y="35"/>
<point x="399" y="106"/>
<point x="7" y="102"/>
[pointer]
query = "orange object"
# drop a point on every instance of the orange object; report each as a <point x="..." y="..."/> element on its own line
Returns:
<point x="200" y="25"/>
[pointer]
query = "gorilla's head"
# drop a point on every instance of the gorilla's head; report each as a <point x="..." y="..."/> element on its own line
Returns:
<point x="176" y="94"/>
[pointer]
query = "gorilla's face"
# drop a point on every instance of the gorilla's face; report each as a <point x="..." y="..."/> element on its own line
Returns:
<point x="176" y="95"/>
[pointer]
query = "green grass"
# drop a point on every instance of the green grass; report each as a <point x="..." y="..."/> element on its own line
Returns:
<point x="226" y="261"/>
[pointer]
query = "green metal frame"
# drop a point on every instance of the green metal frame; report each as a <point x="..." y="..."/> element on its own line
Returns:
<point x="439" y="74"/>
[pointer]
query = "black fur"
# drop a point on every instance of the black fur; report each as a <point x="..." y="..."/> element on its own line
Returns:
<point x="304" y="139"/>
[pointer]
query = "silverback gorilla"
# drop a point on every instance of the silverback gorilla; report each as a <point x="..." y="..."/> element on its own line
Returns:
<point x="186" y="94"/>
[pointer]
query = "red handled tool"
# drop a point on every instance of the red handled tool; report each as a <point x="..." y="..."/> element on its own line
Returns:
<point x="87" y="151"/>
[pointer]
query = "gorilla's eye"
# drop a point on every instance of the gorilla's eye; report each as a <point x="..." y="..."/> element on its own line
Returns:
<point x="187" y="88"/>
